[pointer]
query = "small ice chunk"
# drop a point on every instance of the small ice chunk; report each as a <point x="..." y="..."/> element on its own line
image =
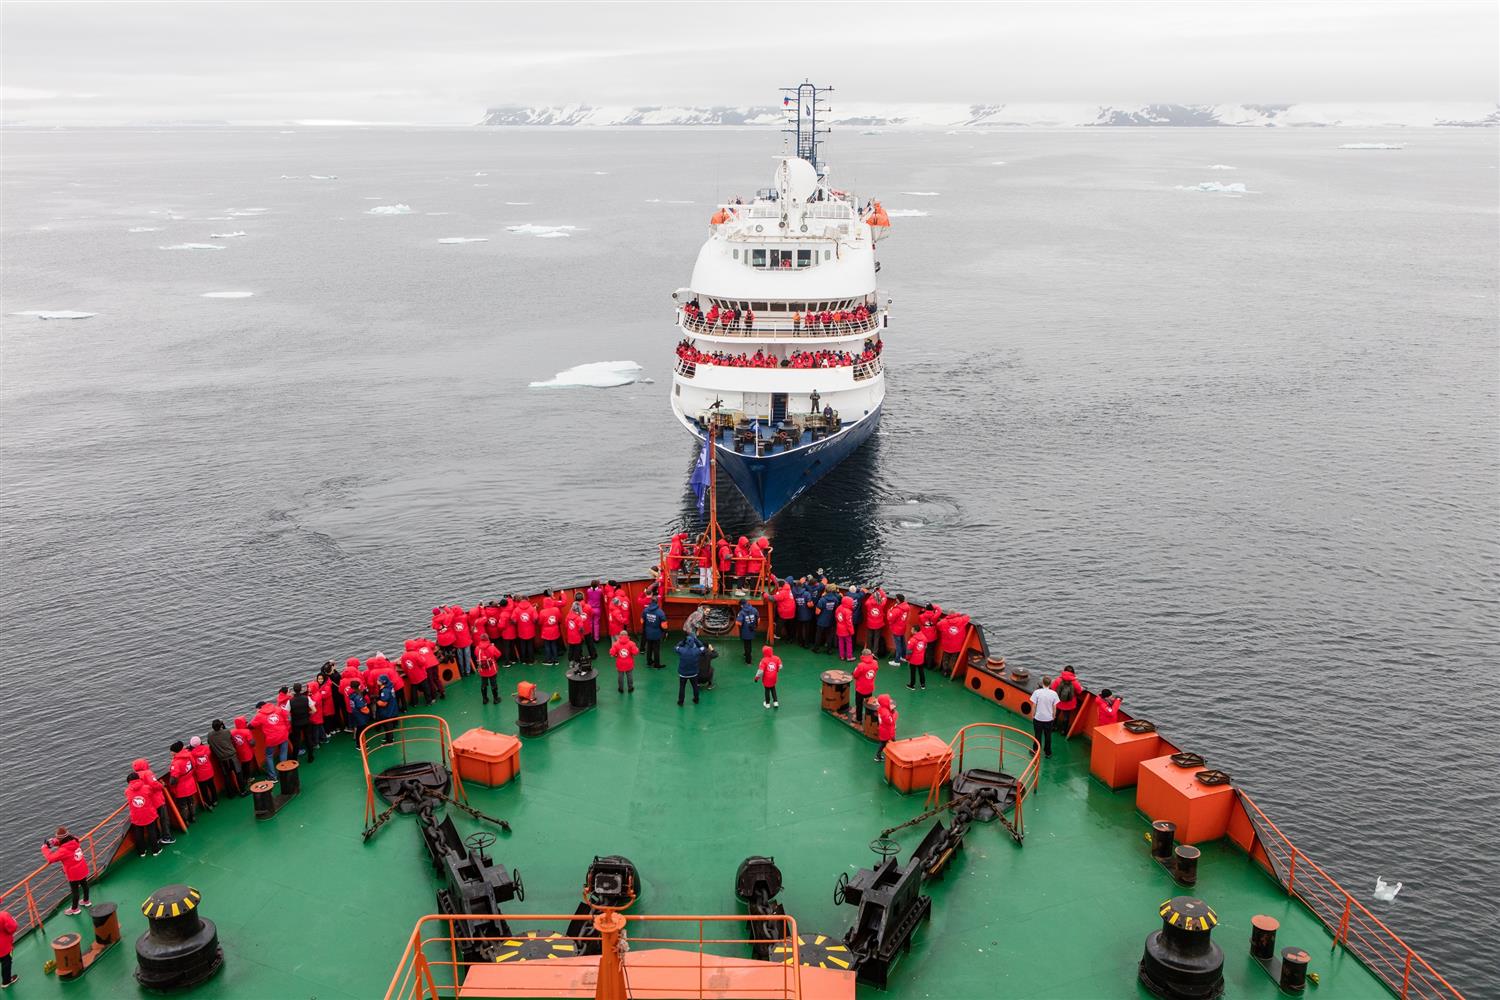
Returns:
<point x="1373" y="145"/>
<point x="144" y="229"/>
<point x="290" y="177"/>
<point x="922" y="194"/>
<point x="464" y="239"/>
<point x="997" y="163"/>
<point x="193" y="246"/>
<point x="227" y="295"/>
<point x="1214" y="187"/>
<point x="601" y="173"/>
<point x="325" y="177"/>
<point x="437" y="213"/>
<point x="55" y="314"/>
<point x="480" y="173"/>
<point x="594" y="375"/>
<point x="1220" y="166"/>
<point x="1386" y="891"/>
<point x="397" y="209"/>
<point x="518" y="203"/>
<point x="226" y="236"/>
<point x="543" y="232"/>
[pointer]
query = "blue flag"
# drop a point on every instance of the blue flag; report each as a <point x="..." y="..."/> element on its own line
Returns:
<point x="699" y="479"/>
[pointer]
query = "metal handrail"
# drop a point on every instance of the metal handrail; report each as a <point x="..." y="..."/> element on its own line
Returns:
<point x="984" y="740"/>
<point x="1407" y="974"/>
<point x="420" y="976"/>
<point x="40" y="892"/>
<point x="396" y="730"/>
<point x="866" y="369"/>
<point x="765" y="327"/>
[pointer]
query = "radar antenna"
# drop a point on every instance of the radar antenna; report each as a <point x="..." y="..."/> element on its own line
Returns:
<point x="803" y="104"/>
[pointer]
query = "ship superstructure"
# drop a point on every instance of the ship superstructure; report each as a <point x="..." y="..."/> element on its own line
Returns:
<point x="781" y="330"/>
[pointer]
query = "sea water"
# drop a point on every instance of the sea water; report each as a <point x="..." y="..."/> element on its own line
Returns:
<point x="1210" y="414"/>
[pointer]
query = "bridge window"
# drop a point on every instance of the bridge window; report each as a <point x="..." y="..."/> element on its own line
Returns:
<point x="827" y="254"/>
<point x="736" y="255"/>
<point x="804" y="258"/>
<point x="758" y="257"/>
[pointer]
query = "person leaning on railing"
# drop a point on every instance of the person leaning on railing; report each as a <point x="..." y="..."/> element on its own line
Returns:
<point x="8" y="928"/>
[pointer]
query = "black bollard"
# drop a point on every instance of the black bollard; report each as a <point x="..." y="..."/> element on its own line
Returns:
<point x="1185" y="865"/>
<point x="1294" y="969"/>
<point x="291" y="778"/>
<point x="263" y="795"/>
<point x="1263" y="936"/>
<point x="1162" y="835"/>
<point x="583" y="687"/>
<point x="181" y="948"/>
<point x="531" y="714"/>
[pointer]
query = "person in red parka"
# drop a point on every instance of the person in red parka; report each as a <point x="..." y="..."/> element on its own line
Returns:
<point x="419" y="677"/>
<point x="886" y="708"/>
<point x="143" y="816"/>
<point x="184" y="786"/>
<point x="8" y="928"/>
<point x="875" y="622"/>
<point x="742" y="561"/>
<point x="526" y="623"/>
<point x="624" y="652"/>
<point x="897" y="617"/>
<point x="158" y="791"/>
<point x="244" y="745"/>
<point x="916" y="658"/>
<point x="619" y="613"/>
<point x="505" y="621"/>
<point x="1106" y="708"/>
<point x="489" y="667"/>
<point x="275" y="726"/>
<point x="725" y="560"/>
<point x="65" y="849"/>
<point x="575" y="627"/>
<point x="766" y="673"/>
<point x="551" y="630"/>
<point x="1068" y="692"/>
<point x="951" y="632"/>
<point x="864" y="684"/>
<point x="843" y="628"/>
<point x="203" y="771"/>
<point x="786" y="609"/>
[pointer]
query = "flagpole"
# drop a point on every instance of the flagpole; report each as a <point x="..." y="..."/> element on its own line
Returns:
<point x="713" y="499"/>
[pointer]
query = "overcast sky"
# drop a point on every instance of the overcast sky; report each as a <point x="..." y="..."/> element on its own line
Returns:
<point x="448" y="62"/>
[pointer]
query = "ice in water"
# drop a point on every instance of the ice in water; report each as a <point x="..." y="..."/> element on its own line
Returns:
<point x="55" y="314"/>
<point x="397" y="209"/>
<point x="464" y="239"/>
<point x="594" y="375"/>
<point x="227" y="295"/>
<point x="193" y="246"/>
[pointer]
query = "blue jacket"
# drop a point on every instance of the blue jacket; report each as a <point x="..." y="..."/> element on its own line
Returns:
<point x="803" y="595"/>
<point x="748" y="619"/>
<point x="827" y="605"/>
<point x="689" y="653"/>
<point x="858" y="596"/>
<point x="357" y="703"/>
<point x="652" y="620"/>
<point x="387" y="695"/>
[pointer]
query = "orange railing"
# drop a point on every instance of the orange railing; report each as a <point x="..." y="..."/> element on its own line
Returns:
<point x="433" y="966"/>
<point x="403" y="731"/>
<point x="980" y="744"/>
<point x="760" y="585"/>
<point x="1359" y="931"/>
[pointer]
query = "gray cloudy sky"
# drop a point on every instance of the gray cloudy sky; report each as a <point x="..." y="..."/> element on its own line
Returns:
<point x="447" y="62"/>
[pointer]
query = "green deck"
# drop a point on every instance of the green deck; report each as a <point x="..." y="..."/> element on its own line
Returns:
<point x="304" y="909"/>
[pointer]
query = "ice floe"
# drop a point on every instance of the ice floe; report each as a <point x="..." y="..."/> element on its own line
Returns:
<point x="464" y="239"/>
<point x="226" y="236"/>
<point x="997" y="163"/>
<point x="324" y="177"/>
<point x="144" y="229"/>
<point x="543" y="232"/>
<point x="480" y="173"/>
<point x="397" y="209"/>
<point x="1214" y="187"/>
<point x="55" y="314"/>
<point x="1373" y="145"/>
<point x="227" y="295"/>
<point x="601" y="173"/>
<point x="594" y="375"/>
<point x="437" y="213"/>
<point x="1219" y="166"/>
<point x="193" y="246"/>
<point x="518" y="203"/>
<point x="906" y="213"/>
<point x="922" y="194"/>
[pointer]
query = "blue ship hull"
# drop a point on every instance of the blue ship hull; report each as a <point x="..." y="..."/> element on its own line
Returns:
<point x="771" y="482"/>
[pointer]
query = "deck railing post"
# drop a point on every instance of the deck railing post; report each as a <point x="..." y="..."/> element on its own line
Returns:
<point x="1342" y="935"/>
<point x="1291" y="872"/>
<point x="1406" y="975"/>
<point x="32" y="913"/>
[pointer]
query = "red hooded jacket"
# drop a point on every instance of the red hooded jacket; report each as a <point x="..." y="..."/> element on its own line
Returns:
<point x="244" y="740"/>
<point x="624" y="653"/>
<point x="1067" y="704"/>
<point x="888" y="716"/>
<point x="140" y="798"/>
<point x="576" y="624"/>
<point x="896" y="618"/>
<point x="551" y="620"/>
<point x="786" y="604"/>
<point x="184" y="785"/>
<point x="1106" y="712"/>
<point x="273" y="724"/>
<point x="157" y="790"/>
<point x="951" y="632"/>
<point x="843" y="617"/>
<point x="916" y="650"/>
<point x="864" y="675"/>
<point x="526" y="621"/>
<point x="70" y="853"/>
<point x="770" y="666"/>
<point x="875" y="612"/>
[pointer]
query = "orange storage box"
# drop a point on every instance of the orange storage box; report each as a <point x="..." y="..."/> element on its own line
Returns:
<point x="1117" y="753"/>
<point x="916" y="764"/>
<point x="1166" y="791"/>
<point x="486" y="758"/>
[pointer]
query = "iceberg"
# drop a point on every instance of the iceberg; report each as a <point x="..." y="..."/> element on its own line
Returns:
<point x="1373" y="145"/>
<point x="227" y="295"/>
<point x="464" y="239"/>
<point x="226" y="236"/>
<point x="1214" y="187"/>
<point x="324" y="177"/>
<point x="594" y="375"/>
<point x="397" y="209"/>
<point x="906" y="213"/>
<point x="193" y="246"/>
<point x="55" y="314"/>
<point x="543" y="232"/>
<point x="144" y="229"/>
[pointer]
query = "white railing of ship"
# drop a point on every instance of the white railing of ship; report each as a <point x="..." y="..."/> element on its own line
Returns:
<point x="784" y="328"/>
<point x="866" y="369"/>
<point x="687" y="369"/>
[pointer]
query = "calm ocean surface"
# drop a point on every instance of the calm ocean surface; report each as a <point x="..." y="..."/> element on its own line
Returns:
<point x="1237" y="457"/>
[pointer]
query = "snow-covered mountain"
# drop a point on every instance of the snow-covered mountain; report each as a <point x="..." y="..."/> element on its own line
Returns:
<point x="949" y="116"/>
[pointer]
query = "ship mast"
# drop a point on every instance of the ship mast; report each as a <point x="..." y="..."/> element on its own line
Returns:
<point x="805" y="102"/>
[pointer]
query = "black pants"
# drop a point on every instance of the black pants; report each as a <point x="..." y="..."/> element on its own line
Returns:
<point x="880" y="754"/>
<point x="918" y="673"/>
<point x="625" y="677"/>
<point x="233" y="781"/>
<point x="1043" y="731"/>
<point x="489" y="687"/>
<point x="5" y="975"/>
<point x="163" y="825"/>
<point x="876" y="641"/>
<point x="824" y="639"/>
<point x="553" y="649"/>
<point x="747" y="648"/>
<point x="575" y="652"/>
<point x="859" y="707"/>
<point x="771" y="694"/>
<point x="187" y="807"/>
<point x="682" y="683"/>
<point x="210" y="793"/>
<point x="525" y="649"/>
<point x="948" y="662"/>
<point x="302" y="739"/>
<point x="653" y="652"/>
<point x="588" y="640"/>
<point x="1064" y="720"/>
<point x="78" y="889"/>
<point x="428" y="688"/>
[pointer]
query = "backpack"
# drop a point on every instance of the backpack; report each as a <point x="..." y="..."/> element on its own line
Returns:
<point x="1065" y="691"/>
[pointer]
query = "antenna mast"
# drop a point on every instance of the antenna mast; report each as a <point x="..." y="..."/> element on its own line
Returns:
<point x="805" y="102"/>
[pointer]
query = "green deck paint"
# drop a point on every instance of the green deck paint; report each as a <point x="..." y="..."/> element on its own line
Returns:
<point x="304" y="909"/>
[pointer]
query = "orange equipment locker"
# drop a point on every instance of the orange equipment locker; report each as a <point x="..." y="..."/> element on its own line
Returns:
<point x="1117" y="753"/>
<point x="1166" y="791"/>
<point x="918" y="763"/>
<point x="486" y="758"/>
